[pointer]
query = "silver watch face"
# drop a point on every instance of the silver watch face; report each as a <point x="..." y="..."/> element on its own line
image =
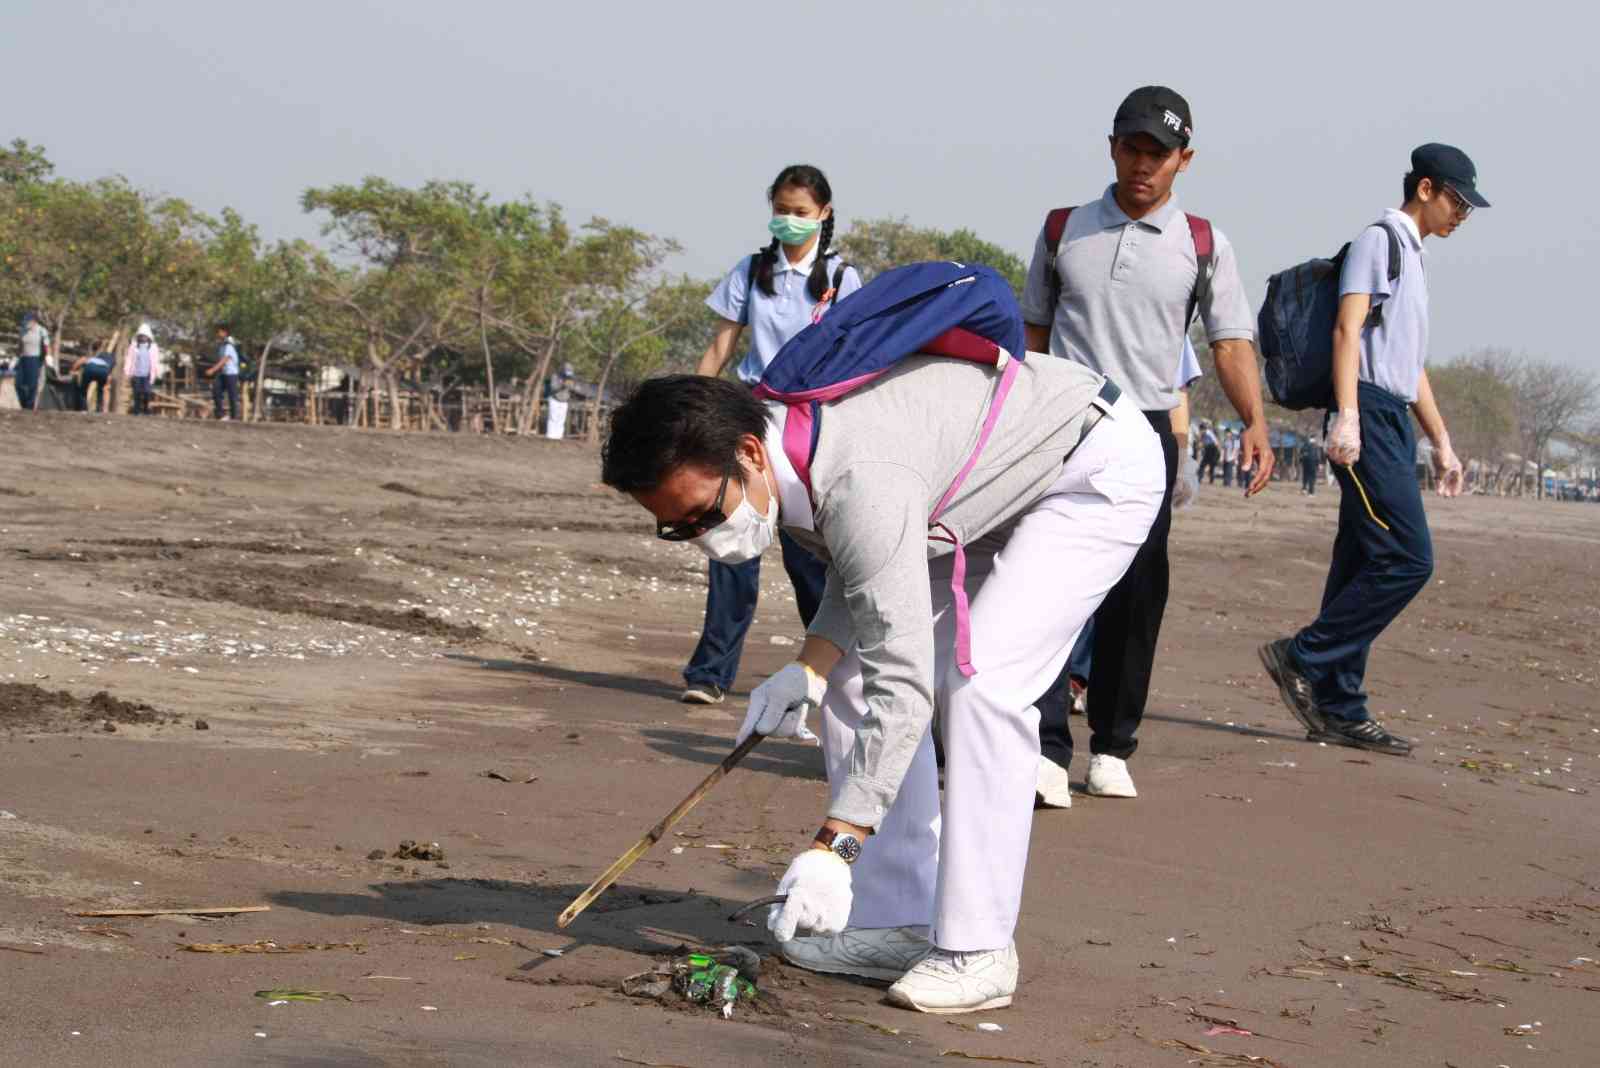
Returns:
<point x="848" y="846"/>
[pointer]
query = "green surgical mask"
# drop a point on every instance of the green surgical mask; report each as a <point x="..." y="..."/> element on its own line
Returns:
<point x="792" y="229"/>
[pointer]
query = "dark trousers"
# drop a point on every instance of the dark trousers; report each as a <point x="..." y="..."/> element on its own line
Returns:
<point x="1308" y="476"/>
<point x="1227" y="472"/>
<point x="1208" y="464"/>
<point x="27" y="370"/>
<point x="731" y="605"/>
<point x="141" y="394"/>
<point x="1126" y="627"/>
<point x="1382" y="557"/>
<point x="225" y="385"/>
<point x="88" y="377"/>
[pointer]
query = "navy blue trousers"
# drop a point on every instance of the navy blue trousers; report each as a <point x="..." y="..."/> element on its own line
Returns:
<point x="27" y="370"/>
<point x="731" y="605"/>
<point x="1382" y="557"/>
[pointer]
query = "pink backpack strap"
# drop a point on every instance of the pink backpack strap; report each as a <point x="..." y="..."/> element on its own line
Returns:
<point x="958" y="574"/>
<point x="798" y="427"/>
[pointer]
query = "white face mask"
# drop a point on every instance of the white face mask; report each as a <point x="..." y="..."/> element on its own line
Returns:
<point x="745" y="534"/>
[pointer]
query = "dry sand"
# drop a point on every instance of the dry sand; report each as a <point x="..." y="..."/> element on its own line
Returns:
<point x="368" y="623"/>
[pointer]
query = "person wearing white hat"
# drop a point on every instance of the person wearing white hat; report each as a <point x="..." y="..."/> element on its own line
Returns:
<point x="141" y="366"/>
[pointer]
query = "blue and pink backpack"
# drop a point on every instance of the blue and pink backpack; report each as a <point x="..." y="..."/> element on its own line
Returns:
<point x="924" y="309"/>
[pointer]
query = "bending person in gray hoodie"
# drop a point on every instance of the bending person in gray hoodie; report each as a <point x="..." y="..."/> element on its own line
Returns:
<point x="1063" y="495"/>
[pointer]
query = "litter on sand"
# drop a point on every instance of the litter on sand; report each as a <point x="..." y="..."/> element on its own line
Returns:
<point x="721" y="979"/>
<point x="964" y="1055"/>
<point x="267" y="946"/>
<point x="197" y="910"/>
<point x="294" y="994"/>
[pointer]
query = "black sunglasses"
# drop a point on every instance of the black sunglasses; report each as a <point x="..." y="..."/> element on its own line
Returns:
<point x="689" y="529"/>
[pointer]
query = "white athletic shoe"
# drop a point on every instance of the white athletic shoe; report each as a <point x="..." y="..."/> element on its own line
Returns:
<point x="946" y="982"/>
<point x="1051" y="785"/>
<point x="885" y="953"/>
<point x="1108" y="777"/>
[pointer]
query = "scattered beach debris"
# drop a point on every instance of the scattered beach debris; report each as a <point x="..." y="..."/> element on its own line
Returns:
<point x="720" y="979"/>
<point x="289" y="993"/>
<point x="195" y="910"/>
<point x="410" y="850"/>
<point x="266" y="946"/>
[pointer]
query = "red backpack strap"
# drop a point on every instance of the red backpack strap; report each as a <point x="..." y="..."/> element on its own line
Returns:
<point x="1205" y="259"/>
<point x="1055" y="227"/>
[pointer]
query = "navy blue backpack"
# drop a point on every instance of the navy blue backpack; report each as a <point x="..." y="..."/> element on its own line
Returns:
<point x="1295" y="328"/>
<point x="925" y="309"/>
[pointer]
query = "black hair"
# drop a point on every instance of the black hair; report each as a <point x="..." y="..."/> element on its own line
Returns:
<point x="675" y="420"/>
<point x="225" y="328"/>
<point x="1409" y="185"/>
<point x="814" y="182"/>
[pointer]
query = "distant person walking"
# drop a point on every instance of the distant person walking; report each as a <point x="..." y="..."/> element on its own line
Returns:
<point x="33" y="347"/>
<point x="224" y="374"/>
<point x="776" y="293"/>
<point x="1115" y="287"/>
<point x="141" y="366"/>
<point x="1310" y="461"/>
<point x="92" y="372"/>
<point x="1210" y="453"/>
<point x="557" y="396"/>
<point x="1383" y="553"/>
<point x="1230" y="457"/>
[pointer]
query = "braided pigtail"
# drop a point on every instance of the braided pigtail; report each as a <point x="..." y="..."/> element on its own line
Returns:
<point x="766" y="260"/>
<point x="817" y="284"/>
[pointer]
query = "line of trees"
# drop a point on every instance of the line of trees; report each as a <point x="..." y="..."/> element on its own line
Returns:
<point x="442" y="287"/>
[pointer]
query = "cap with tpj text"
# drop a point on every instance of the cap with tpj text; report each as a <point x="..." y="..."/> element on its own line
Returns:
<point x="1157" y="111"/>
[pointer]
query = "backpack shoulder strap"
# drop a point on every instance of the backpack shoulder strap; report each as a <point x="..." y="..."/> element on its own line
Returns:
<point x="1055" y="227"/>
<point x="1205" y="255"/>
<point x="1395" y="259"/>
<point x="750" y="286"/>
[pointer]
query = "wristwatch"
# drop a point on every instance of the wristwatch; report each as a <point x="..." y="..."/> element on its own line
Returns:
<point x="843" y="844"/>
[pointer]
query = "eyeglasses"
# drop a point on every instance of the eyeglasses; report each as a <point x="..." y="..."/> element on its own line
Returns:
<point x="1457" y="201"/>
<point x="689" y="529"/>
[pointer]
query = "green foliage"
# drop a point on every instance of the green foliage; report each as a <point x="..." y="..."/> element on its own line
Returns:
<point x="875" y="245"/>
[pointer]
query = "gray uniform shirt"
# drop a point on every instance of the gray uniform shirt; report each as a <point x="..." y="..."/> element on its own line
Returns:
<point x="1125" y="289"/>
<point x="35" y="338"/>
<point x="1394" y="351"/>
<point x="885" y="455"/>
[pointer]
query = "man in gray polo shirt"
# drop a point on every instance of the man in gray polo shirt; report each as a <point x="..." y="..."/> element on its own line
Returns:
<point x="1118" y="296"/>
<point x="1383" y="553"/>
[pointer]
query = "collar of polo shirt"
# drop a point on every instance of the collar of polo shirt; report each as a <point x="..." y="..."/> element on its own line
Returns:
<point x="1407" y="225"/>
<point x="1113" y="215"/>
<point x="803" y="267"/>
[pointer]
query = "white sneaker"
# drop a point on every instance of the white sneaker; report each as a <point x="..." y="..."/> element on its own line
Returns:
<point x="885" y="953"/>
<point x="946" y="982"/>
<point x="1051" y="785"/>
<point x="1108" y="777"/>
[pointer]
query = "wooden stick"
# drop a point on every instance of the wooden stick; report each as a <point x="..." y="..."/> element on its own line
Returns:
<point x="226" y="910"/>
<point x="655" y="834"/>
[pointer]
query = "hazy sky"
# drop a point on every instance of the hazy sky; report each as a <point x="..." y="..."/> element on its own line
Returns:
<point x="673" y="117"/>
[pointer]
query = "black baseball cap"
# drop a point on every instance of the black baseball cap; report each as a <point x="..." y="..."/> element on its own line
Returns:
<point x="1447" y="163"/>
<point x="1157" y="111"/>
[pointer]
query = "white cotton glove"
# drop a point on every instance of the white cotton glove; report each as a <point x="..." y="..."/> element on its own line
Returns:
<point x="1186" y="490"/>
<point x="1447" y="468"/>
<point x="818" y="885"/>
<point x="778" y="706"/>
<point x="1344" y="437"/>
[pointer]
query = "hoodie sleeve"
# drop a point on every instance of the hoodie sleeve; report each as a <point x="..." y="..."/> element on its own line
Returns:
<point x="875" y="523"/>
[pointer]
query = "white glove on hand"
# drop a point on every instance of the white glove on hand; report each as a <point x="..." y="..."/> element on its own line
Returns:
<point x="1447" y="467"/>
<point x="778" y="706"/>
<point x="818" y="885"/>
<point x="1344" y="437"/>
<point x="1186" y="490"/>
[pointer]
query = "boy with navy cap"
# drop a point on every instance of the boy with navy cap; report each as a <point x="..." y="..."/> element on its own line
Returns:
<point x="1382" y="554"/>
<point x="1113" y="285"/>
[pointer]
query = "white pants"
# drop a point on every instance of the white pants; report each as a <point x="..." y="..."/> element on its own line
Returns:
<point x="1030" y="597"/>
<point x="555" y="418"/>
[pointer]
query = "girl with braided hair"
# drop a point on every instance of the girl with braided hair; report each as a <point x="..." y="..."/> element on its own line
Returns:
<point x="776" y="293"/>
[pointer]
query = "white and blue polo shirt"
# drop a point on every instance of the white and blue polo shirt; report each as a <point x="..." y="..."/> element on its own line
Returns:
<point x="1395" y="350"/>
<point x="773" y="320"/>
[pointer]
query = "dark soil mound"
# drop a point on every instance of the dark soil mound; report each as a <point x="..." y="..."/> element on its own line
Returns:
<point x="26" y="707"/>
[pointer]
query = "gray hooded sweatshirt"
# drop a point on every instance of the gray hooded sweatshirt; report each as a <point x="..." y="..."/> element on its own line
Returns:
<point x="885" y="455"/>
